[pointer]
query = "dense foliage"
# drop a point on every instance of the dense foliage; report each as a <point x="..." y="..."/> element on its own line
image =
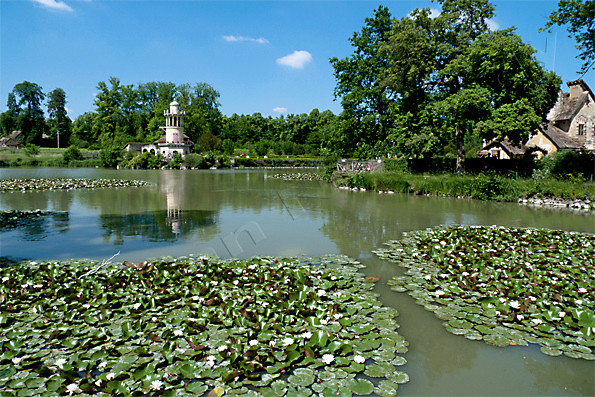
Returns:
<point x="414" y="85"/>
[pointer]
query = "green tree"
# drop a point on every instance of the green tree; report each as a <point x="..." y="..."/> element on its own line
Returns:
<point x="228" y="147"/>
<point x="72" y="153"/>
<point x="59" y="123"/>
<point x="109" y="120"/>
<point x="359" y="83"/>
<point x="30" y="118"/>
<point x="451" y="74"/>
<point x="9" y="119"/>
<point x="201" y="104"/>
<point x="31" y="149"/>
<point x="83" y="131"/>
<point x="579" y="16"/>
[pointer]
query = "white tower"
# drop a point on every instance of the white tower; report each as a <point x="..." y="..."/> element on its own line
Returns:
<point x="174" y="123"/>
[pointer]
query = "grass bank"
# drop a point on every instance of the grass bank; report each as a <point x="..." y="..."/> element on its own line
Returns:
<point x="47" y="157"/>
<point x="482" y="186"/>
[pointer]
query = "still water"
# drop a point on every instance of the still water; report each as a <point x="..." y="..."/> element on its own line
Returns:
<point x="243" y="213"/>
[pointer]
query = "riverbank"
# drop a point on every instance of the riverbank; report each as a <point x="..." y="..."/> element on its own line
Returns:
<point x="573" y="193"/>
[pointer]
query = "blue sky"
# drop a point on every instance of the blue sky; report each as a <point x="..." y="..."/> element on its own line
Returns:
<point x="270" y="57"/>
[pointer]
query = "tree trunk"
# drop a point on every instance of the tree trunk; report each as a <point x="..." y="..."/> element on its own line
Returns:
<point x="460" y="143"/>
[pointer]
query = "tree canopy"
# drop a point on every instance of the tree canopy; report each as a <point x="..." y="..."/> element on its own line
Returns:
<point x="440" y="79"/>
<point x="579" y="17"/>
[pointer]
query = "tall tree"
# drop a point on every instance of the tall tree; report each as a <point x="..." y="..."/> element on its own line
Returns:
<point x="59" y="123"/>
<point x="359" y="85"/>
<point x="9" y="119"/>
<point x="201" y="103"/>
<point x="451" y="74"/>
<point x="31" y="117"/>
<point x="579" y="16"/>
<point x="109" y="120"/>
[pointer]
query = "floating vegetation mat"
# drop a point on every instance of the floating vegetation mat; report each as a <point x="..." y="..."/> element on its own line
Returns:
<point x="299" y="176"/>
<point x="8" y="185"/>
<point x="506" y="286"/>
<point x="277" y="327"/>
<point x="15" y="218"/>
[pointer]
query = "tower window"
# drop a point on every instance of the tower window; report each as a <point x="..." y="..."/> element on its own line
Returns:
<point x="581" y="129"/>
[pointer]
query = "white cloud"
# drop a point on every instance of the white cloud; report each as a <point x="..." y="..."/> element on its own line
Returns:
<point x="296" y="60"/>
<point x="279" y="110"/>
<point x="232" y="38"/>
<point x="434" y="13"/>
<point x="492" y="25"/>
<point x="54" y="5"/>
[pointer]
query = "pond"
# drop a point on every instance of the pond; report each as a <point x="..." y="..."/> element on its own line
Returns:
<point x="243" y="213"/>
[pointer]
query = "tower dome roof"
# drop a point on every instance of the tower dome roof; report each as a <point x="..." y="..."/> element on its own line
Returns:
<point x="174" y="103"/>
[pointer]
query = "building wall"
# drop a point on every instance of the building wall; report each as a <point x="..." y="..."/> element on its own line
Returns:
<point x="582" y="127"/>
<point x="539" y="140"/>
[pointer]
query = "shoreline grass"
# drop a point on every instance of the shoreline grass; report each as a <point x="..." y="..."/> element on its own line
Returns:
<point x="481" y="186"/>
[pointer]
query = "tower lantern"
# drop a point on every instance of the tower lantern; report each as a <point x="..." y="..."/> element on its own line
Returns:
<point x="174" y="123"/>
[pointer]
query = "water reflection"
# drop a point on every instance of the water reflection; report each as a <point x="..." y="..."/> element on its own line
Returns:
<point x="160" y="225"/>
<point x="37" y="227"/>
<point x="154" y="226"/>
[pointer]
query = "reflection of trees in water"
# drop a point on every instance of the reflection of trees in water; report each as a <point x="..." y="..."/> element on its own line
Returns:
<point x="550" y="373"/>
<point x="36" y="226"/>
<point x="158" y="225"/>
<point x="10" y="260"/>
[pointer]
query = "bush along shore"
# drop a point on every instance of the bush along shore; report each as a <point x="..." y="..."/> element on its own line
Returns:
<point x="197" y="326"/>
<point x="506" y="286"/>
<point x="574" y="193"/>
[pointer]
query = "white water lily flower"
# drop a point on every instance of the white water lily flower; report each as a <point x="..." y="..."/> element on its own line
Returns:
<point x="328" y="358"/>
<point x="582" y="290"/>
<point x="338" y="316"/>
<point x="60" y="362"/>
<point x="253" y="342"/>
<point x="73" y="388"/>
<point x="5" y="279"/>
<point x="178" y="332"/>
<point x="110" y="376"/>
<point x="520" y="317"/>
<point x="324" y="321"/>
<point x="532" y="298"/>
<point x="287" y="341"/>
<point x="102" y="365"/>
<point x="156" y="385"/>
<point x="236" y="282"/>
<point x="578" y="301"/>
<point x="16" y="360"/>
<point x="136" y="306"/>
<point x="222" y="348"/>
<point x="307" y="335"/>
<point x="514" y="305"/>
<point x="561" y="314"/>
<point x="321" y="292"/>
<point x="98" y="382"/>
<point x="536" y="321"/>
<point x="359" y="359"/>
<point x="428" y="277"/>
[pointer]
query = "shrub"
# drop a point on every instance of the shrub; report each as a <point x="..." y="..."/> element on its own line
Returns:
<point x="228" y="147"/>
<point x="397" y="165"/>
<point x="72" y="153"/>
<point x="111" y="156"/>
<point x="194" y="160"/>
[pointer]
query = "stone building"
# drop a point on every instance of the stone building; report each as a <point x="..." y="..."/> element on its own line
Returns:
<point x="571" y="125"/>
